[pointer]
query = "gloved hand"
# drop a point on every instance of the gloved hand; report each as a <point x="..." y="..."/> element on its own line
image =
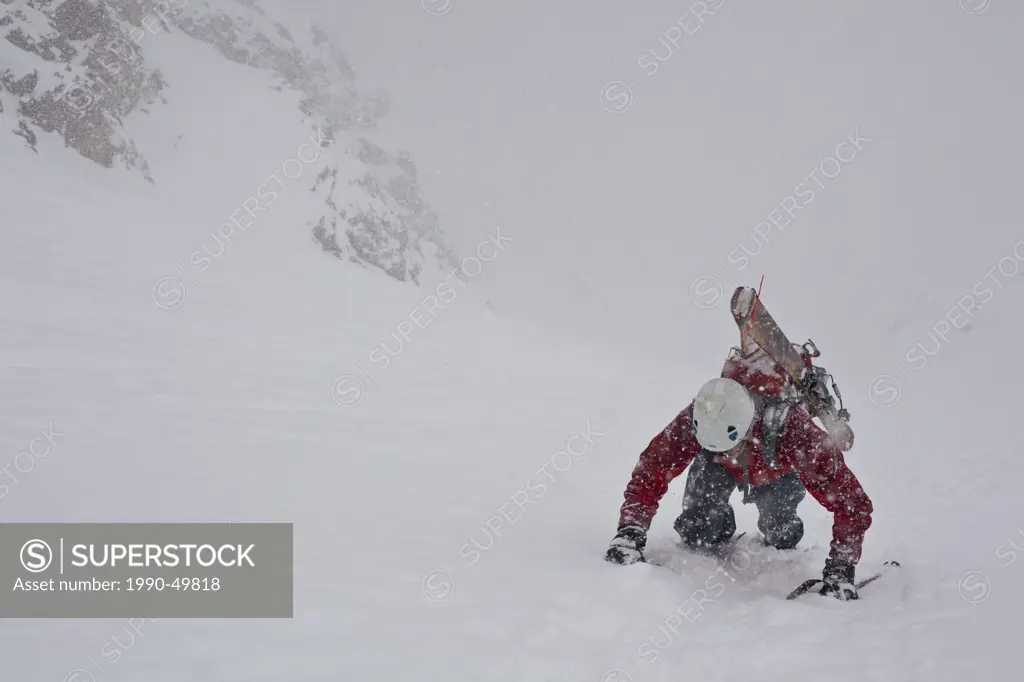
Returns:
<point x="627" y="546"/>
<point x="838" y="580"/>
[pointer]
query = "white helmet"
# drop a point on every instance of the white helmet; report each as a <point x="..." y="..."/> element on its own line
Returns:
<point x="722" y="413"/>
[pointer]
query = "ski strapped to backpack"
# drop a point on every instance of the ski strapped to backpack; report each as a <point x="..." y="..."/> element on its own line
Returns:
<point x="757" y="326"/>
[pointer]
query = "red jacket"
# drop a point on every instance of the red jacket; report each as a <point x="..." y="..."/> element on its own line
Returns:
<point x="803" y="447"/>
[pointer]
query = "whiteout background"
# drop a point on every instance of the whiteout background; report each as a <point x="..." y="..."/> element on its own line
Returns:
<point x="229" y="406"/>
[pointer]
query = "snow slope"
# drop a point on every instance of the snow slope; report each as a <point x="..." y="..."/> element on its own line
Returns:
<point x="247" y="400"/>
<point x="222" y="409"/>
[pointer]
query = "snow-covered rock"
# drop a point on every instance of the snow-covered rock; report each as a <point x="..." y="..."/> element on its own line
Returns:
<point x="80" y="68"/>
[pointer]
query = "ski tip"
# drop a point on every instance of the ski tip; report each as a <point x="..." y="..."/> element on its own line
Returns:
<point x="743" y="301"/>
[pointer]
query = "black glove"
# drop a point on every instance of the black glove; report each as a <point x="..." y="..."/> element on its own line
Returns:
<point x="627" y="546"/>
<point x="838" y="580"/>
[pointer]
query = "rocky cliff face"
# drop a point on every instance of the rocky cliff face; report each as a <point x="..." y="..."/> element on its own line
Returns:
<point x="393" y="228"/>
<point x="68" y="68"/>
<point x="78" y="68"/>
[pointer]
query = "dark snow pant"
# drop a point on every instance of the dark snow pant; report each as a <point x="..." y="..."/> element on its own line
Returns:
<point x="709" y="519"/>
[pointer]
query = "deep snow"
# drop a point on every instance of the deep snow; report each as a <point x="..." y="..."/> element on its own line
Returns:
<point x="222" y="409"/>
<point x="248" y="401"/>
